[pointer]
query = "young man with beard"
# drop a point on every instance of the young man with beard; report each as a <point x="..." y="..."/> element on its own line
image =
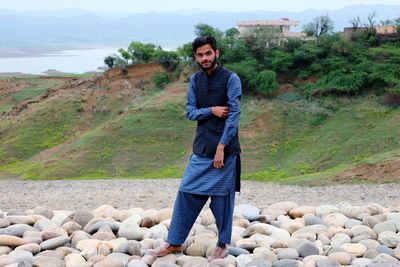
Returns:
<point x="213" y="170"/>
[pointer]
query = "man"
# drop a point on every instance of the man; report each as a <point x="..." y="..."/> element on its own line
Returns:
<point x="213" y="170"/>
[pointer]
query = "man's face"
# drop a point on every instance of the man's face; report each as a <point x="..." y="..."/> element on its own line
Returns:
<point x="206" y="57"/>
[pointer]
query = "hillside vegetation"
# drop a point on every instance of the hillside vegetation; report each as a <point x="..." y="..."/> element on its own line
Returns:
<point x="315" y="111"/>
<point x="121" y="125"/>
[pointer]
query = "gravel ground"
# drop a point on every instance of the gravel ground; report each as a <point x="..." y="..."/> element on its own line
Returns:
<point x="146" y="194"/>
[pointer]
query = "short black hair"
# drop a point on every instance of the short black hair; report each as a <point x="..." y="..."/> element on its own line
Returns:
<point x="203" y="40"/>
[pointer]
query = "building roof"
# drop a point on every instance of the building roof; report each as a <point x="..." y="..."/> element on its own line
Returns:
<point x="280" y="22"/>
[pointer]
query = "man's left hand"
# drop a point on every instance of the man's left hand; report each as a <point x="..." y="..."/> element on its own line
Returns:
<point x="219" y="157"/>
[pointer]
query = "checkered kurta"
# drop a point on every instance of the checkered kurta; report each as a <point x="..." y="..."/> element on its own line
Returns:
<point x="202" y="178"/>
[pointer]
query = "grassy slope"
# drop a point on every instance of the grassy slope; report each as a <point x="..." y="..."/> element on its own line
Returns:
<point x="288" y="141"/>
<point x="327" y="136"/>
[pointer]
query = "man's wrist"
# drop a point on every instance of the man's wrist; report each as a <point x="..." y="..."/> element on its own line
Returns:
<point x="220" y="146"/>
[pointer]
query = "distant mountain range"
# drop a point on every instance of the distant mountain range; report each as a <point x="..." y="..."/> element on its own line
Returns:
<point x="170" y="30"/>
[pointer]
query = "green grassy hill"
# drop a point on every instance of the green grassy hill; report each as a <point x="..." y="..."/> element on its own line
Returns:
<point x="119" y="125"/>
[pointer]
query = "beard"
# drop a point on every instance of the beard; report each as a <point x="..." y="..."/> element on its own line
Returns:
<point x="212" y="65"/>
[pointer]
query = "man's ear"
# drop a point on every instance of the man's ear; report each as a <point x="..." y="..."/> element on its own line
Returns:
<point x="217" y="53"/>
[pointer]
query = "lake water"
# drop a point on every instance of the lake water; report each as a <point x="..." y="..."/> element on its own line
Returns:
<point x="71" y="61"/>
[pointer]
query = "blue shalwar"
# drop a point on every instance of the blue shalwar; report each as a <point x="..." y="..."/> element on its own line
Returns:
<point x="201" y="180"/>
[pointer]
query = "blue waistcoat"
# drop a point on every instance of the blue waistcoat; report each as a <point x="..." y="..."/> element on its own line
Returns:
<point x="212" y="90"/>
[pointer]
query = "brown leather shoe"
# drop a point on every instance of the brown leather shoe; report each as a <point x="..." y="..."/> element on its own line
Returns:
<point x="163" y="250"/>
<point x="218" y="253"/>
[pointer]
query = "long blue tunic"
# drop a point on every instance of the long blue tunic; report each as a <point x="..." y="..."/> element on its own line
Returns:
<point x="200" y="176"/>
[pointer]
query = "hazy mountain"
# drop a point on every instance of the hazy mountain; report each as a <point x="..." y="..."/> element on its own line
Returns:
<point x="65" y="13"/>
<point x="167" y="29"/>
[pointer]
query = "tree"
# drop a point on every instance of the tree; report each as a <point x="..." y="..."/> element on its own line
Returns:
<point x="168" y="59"/>
<point x="281" y="61"/>
<point x="232" y="33"/>
<point x="258" y="42"/>
<point x="368" y="37"/>
<point x="126" y="56"/>
<point x="202" y="29"/>
<point x="321" y="25"/>
<point x="246" y="70"/>
<point x="231" y="37"/>
<point x="387" y="22"/>
<point x="371" y="20"/>
<point x="355" y="23"/>
<point x="109" y="61"/>
<point x="142" y="52"/>
<point x="185" y="52"/>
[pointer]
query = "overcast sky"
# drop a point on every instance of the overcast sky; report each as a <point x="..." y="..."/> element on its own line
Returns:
<point x="136" y="6"/>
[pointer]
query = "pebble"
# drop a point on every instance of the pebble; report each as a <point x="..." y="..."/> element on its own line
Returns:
<point x="249" y="212"/>
<point x="54" y="243"/>
<point x="342" y="258"/>
<point x="196" y="261"/>
<point x="82" y="217"/>
<point x="235" y="251"/>
<point x="137" y="263"/>
<point x="327" y="263"/>
<point x="311" y="219"/>
<point x="4" y="222"/>
<point x="362" y="262"/>
<point x="288" y="253"/>
<point x="11" y="241"/>
<point x="299" y="212"/>
<point x="356" y="250"/>
<point x="31" y="247"/>
<point x="44" y="261"/>
<point x="282" y="234"/>
<point x="307" y="250"/>
<point x="286" y="263"/>
<point x="384" y="226"/>
<point x="20" y="219"/>
<point x="384" y="249"/>
<point x="16" y="230"/>
<point x="258" y="263"/>
<point x="44" y="212"/>
<point x="109" y="263"/>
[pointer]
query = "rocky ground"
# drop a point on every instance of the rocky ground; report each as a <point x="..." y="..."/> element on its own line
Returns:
<point x="112" y="223"/>
<point x="146" y="194"/>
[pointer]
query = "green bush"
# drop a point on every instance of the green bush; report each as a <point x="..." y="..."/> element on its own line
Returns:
<point x="246" y="70"/>
<point x="265" y="83"/>
<point x="161" y="79"/>
<point x="109" y="61"/>
<point x="168" y="62"/>
<point x="281" y="61"/>
<point x="337" y="82"/>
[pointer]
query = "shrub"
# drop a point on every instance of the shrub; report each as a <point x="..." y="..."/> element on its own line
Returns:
<point x="245" y="69"/>
<point x="265" y="83"/>
<point x="338" y="82"/>
<point x="161" y="79"/>
<point x="281" y="61"/>
<point x="168" y="62"/>
<point x="109" y="61"/>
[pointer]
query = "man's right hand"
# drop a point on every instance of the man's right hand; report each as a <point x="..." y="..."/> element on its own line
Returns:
<point x="220" y="111"/>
